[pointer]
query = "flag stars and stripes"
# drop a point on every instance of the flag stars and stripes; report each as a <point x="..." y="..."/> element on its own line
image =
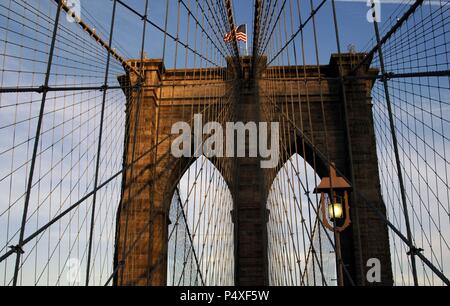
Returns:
<point x="240" y="33"/>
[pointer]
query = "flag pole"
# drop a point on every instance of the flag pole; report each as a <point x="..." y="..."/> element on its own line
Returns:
<point x="246" y="42"/>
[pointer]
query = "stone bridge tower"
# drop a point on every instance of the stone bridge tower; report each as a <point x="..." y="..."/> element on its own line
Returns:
<point x="164" y="94"/>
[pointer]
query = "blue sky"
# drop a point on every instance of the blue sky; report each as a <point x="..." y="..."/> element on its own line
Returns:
<point x="354" y="28"/>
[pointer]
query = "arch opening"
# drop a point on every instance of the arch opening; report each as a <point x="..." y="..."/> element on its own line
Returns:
<point x="201" y="231"/>
<point x="300" y="252"/>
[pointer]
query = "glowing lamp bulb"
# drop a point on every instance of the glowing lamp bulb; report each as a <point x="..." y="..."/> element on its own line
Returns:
<point x="336" y="211"/>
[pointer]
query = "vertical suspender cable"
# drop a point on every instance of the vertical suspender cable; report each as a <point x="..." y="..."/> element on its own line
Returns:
<point x="99" y="147"/>
<point x="349" y="140"/>
<point x="18" y="249"/>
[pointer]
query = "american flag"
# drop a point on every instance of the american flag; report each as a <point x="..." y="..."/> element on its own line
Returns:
<point x="240" y="33"/>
